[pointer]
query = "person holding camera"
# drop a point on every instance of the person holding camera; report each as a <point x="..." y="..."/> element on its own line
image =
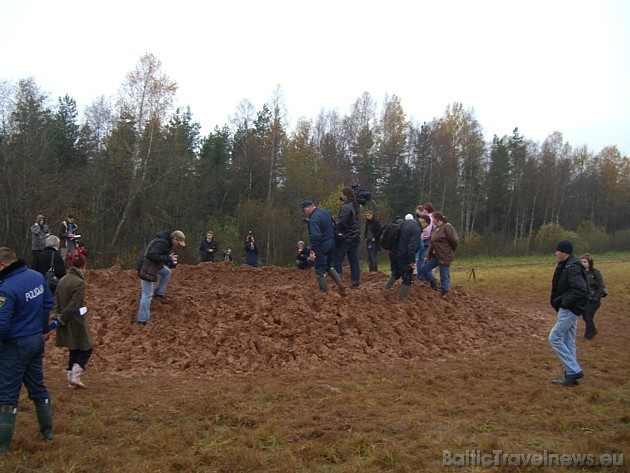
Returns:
<point x="208" y="248"/>
<point x="227" y="256"/>
<point x="155" y="263"/>
<point x="251" y="250"/>
<point x="302" y="256"/>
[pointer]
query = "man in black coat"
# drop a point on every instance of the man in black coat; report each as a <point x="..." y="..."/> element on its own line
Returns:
<point x="50" y="258"/>
<point x="569" y="295"/>
<point x="208" y="248"/>
<point x="404" y="255"/>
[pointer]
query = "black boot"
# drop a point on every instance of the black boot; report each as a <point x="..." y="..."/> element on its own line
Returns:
<point x="433" y="285"/>
<point x="7" y="423"/>
<point x="43" y="407"/>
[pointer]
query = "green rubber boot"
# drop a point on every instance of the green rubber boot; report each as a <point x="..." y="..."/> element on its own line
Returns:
<point x="43" y="407"/>
<point x="404" y="291"/>
<point x="323" y="284"/>
<point x="7" y="423"/>
<point x="338" y="281"/>
<point x="390" y="282"/>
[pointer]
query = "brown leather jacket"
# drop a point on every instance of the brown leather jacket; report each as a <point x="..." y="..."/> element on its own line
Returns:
<point x="443" y="243"/>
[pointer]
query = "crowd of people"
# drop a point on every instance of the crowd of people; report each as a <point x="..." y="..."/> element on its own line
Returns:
<point x="51" y="294"/>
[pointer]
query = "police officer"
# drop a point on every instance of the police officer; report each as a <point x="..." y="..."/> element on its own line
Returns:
<point x="25" y="300"/>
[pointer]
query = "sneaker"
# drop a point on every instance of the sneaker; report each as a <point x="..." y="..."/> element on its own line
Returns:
<point x="141" y="323"/>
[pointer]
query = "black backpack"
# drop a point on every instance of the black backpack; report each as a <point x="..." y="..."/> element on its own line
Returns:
<point x="390" y="236"/>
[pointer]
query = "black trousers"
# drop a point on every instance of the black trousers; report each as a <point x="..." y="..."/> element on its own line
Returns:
<point x="589" y="316"/>
<point x="79" y="356"/>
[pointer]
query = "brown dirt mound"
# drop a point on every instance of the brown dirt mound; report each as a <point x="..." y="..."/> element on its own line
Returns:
<point x="222" y="319"/>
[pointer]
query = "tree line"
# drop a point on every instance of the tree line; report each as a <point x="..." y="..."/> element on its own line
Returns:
<point x="135" y="165"/>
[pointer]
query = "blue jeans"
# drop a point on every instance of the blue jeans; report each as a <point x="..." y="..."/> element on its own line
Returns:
<point x="144" y="312"/>
<point x="426" y="273"/>
<point x="562" y="340"/>
<point x="352" y="250"/>
<point x="21" y="362"/>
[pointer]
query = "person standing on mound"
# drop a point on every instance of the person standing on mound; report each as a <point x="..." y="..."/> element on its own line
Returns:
<point x="154" y="265"/>
<point x="569" y="295"/>
<point x="321" y="230"/>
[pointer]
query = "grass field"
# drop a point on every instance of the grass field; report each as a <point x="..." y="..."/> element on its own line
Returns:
<point x="383" y="418"/>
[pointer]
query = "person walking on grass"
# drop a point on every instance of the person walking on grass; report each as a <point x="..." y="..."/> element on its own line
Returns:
<point x="597" y="290"/>
<point x="569" y="296"/>
<point x="25" y="300"/>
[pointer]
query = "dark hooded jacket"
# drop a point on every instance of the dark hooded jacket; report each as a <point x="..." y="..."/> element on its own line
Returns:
<point x="410" y="235"/>
<point x="569" y="289"/>
<point x="159" y="250"/>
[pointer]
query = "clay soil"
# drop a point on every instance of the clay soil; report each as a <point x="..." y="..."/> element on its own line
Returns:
<point x="221" y="319"/>
<point x="254" y="370"/>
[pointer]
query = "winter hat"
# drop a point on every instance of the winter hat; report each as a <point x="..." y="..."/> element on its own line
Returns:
<point x="408" y="217"/>
<point x="565" y="246"/>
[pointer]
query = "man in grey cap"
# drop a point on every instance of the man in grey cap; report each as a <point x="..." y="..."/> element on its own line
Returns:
<point x="321" y="232"/>
<point x="154" y="265"/>
<point x="569" y="295"/>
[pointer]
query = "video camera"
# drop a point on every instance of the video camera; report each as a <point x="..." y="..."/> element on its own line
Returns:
<point x="362" y="196"/>
<point x="250" y="235"/>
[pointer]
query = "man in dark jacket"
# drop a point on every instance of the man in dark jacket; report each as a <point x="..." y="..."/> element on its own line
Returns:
<point x="208" y="248"/>
<point x="50" y="258"/>
<point x="321" y="232"/>
<point x="404" y="255"/>
<point x="569" y="295"/>
<point x="25" y="301"/>
<point x="372" y="237"/>
<point x="160" y="257"/>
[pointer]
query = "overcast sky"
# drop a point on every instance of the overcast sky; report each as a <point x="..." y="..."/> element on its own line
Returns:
<point x="539" y="65"/>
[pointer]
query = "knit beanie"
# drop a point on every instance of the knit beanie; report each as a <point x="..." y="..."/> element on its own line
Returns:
<point x="565" y="246"/>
